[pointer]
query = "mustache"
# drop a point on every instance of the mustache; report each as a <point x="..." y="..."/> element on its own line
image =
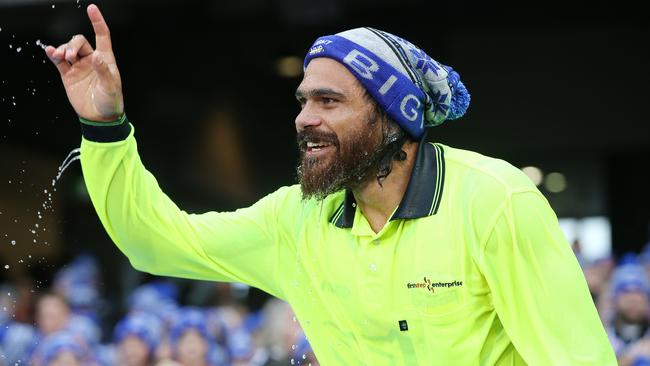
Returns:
<point x="307" y="135"/>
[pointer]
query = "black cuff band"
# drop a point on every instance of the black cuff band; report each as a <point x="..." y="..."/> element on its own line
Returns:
<point x="105" y="131"/>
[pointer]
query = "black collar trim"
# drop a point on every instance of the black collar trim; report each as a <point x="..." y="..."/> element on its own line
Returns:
<point x="423" y="193"/>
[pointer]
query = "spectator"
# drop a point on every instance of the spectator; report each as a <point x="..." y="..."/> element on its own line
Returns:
<point x="64" y="349"/>
<point x="78" y="284"/>
<point x="136" y="338"/>
<point x="228" y="323"/>
<point x="52" y="313"/>
<point x="629" y="330"/>
<point x="278" y="334"/>
<point x="159" y="298"/>
<point x="17" y="341"/>
<point x="190" y="339"/>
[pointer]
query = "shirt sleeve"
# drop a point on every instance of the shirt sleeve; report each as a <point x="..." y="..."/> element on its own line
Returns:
<point x="248" y="245"/>
<point x="538" y="289"/>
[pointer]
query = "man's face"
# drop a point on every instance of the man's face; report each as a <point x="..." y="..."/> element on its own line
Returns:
<point x="337" y="133"/>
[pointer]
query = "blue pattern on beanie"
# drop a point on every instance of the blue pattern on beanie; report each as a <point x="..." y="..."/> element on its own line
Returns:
<point x="390" y="68"/>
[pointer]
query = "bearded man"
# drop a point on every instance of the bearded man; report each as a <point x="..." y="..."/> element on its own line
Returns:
<point x="391" y="250"/>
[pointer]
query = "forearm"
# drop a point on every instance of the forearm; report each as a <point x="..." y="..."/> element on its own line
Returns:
<point x="247" y="245"/>
<point x="136" y="214"/>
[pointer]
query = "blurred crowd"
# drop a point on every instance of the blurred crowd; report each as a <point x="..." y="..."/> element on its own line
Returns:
<point x="620" y="288"/>
<point x="63" y="326"/>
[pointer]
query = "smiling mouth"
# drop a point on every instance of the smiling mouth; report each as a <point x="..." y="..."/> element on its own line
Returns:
<point x="317" y="146"/>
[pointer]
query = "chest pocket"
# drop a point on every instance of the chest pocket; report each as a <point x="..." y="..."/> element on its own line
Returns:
<point x="435" y="297"/>
<point x="436" y="286"/>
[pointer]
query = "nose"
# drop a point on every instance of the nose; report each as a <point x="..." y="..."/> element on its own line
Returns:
<point x="307" y="118"/>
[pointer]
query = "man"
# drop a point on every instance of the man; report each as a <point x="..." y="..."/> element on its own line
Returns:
<point x="391" y="250"/>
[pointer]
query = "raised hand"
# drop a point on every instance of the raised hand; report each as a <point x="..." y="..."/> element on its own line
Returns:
<point x="90" y="77"/>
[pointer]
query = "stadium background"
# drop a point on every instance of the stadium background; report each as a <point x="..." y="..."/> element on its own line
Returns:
<point x="561" y="86"/>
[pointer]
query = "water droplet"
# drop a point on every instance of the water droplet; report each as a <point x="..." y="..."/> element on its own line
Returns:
<point x="293" y="346"/>
<point x="6" y="266"/>
<point x="19" y="49"/>
<point x="52" y="6"/>
<point x="304" y="356"/>
<point x="293" y="362"/>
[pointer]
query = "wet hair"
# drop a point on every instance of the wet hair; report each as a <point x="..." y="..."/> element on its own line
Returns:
<point x="393" y="139"/>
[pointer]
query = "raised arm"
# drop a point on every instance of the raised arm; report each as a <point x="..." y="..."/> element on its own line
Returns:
<point x="251" y="245"/>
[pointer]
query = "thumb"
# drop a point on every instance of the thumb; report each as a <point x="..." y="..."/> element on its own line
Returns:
<point x="101" y="68"/>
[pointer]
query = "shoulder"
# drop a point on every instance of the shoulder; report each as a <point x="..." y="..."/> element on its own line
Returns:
<point x="288" y="204"/>
<point x="481" y="186"/>
<point x="486" y="174"/>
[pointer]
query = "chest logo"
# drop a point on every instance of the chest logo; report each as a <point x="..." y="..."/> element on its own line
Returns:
<point x="429" y="285"/>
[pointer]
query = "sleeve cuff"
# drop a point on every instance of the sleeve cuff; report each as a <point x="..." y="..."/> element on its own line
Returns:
<point x="117" y="130"/>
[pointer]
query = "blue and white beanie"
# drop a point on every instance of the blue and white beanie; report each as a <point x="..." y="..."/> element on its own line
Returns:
<point x="415" y="90"/>
<point x="630" y="277"/>
<point x="148" y="328"/>
<point x="62" y="341"/>
<point x="190" y="318"/>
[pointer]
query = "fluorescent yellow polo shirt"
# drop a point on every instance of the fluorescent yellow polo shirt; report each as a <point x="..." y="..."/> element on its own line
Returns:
<point x="471" y="269"/>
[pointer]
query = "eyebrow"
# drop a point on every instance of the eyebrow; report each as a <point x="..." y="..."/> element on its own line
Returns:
<point x="319" y="92"/>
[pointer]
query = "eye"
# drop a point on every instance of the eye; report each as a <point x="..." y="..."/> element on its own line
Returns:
<point x="326" y="100"/>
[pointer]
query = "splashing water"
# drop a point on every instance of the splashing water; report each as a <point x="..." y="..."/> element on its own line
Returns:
<point x="40" y="44"/>
<point x="73" y="156"/>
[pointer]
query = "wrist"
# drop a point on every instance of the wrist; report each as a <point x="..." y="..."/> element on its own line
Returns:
<point x="109" y="131"/>
<point x="119" y="120"/>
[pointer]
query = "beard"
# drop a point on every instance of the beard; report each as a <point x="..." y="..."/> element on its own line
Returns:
<point x="352" y="163"/>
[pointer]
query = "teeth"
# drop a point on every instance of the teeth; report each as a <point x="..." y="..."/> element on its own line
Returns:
<point x="314" y="144"/>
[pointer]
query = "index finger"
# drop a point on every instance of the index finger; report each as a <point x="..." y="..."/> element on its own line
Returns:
<point x="102" y="34"/>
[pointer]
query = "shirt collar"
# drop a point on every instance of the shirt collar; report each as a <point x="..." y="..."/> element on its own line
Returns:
<point x="423" y="193"/>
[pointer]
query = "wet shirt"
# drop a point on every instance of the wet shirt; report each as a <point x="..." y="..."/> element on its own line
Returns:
<point x="471" y="269"/>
